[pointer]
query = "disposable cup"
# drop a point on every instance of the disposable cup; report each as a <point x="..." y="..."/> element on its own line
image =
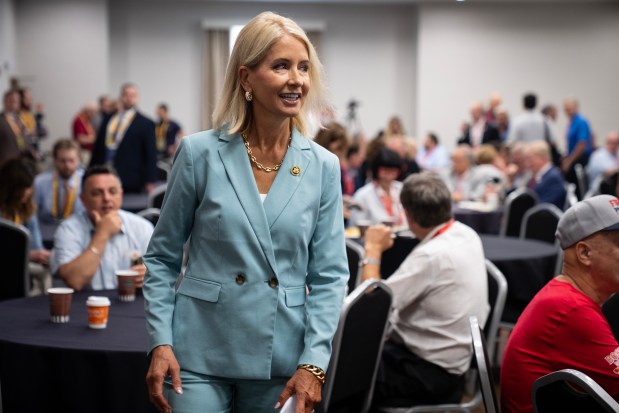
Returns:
<point x="98" y="310"/>
<point x="363" y="226"/>
<point x="60" y="304"/>
<point x="126" y="284"/>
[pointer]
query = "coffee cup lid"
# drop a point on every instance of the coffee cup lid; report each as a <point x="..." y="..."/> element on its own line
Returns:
<point x="98" y="301"/>
<point x="60" y="290"/>
<point x="126" y="272"/>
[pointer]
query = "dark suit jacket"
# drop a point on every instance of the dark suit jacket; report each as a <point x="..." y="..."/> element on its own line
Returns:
<point x="8" y="143"/>
<point x="136" y="156"/>
<point x="491" y="134"/>
<point x="551" y="188"/>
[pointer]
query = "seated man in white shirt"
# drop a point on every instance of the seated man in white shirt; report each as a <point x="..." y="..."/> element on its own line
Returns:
<point x="57" y="192"/>
<point x="90" y="246"/>
<point x="604" y="161"/>
<point x="436" y="289"/>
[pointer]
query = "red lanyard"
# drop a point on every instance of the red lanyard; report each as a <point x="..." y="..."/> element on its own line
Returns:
<point x="445" y="228"/>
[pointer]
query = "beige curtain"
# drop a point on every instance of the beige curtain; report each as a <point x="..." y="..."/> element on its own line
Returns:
<point x="315" y="38"/>
<point x="215" y="59"/>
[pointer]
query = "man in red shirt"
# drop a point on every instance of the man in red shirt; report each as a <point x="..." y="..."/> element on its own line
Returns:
<point x="563" y="326"/>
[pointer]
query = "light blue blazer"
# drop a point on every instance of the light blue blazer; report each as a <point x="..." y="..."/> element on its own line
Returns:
<point x="242" y="310"/>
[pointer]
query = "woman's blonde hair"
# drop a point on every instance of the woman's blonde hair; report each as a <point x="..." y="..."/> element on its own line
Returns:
<point x="252" y="45"/>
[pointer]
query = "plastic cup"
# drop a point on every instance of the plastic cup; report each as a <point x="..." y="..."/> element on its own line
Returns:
<point x="60" y="304"/>
<point x="98" y="310"/>
<point x="363" y="226"/>
<point x="126" y="284"/>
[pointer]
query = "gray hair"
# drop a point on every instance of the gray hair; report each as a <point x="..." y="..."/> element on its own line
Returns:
<point x="427" y="199"/>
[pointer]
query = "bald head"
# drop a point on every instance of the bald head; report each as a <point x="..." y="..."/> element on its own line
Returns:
<point x="477" y="110"/>
<point x="612" y="141"/>
<point x="571" y="107"/>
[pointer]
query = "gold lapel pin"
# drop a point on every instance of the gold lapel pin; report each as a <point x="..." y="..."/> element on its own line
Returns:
<point x="295" y="170"/>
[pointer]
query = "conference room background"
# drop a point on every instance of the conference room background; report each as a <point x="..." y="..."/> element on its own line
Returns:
<point x="424" y="61"/>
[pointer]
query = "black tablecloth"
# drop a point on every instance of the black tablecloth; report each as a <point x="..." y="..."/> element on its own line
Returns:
<point x="482" y="222"/>
<point x="47" y="233"/>
<point x="135" y="202"/>
<point x="70" y="367"/>
<point x="527" y="266"/>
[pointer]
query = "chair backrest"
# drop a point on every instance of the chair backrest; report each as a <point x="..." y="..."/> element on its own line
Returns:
<point x="357" y="346"/>
<point x="14" y="247"/>
<point x="355" y="254"/>
<point x="581" y="181"/>
<point x="594" y="188"/>
<point x="151" y="214"/>
<point x="555" y="392"/>
<point x="164" y="169"/>
<point x="393" y="257"/>
<point x="540" y="223"/>
<point x="611" y="311"/>
<point x="497" y="294"/>
<point x="482" y="360"/>
<point x="155" y="198"/>
<point x="571" y="198"/>
<point x="516" y="205"/>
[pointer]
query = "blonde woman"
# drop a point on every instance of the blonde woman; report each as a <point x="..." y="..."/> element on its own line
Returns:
<point x="251" y="321"/>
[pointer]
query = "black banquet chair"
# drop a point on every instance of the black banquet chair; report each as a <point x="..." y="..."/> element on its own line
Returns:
<point x="357" y="346"/>
<point x="14" y="247"/>
<point x="355" y="254"/>
<point x="151" y="214"/>
<point x="393" y="257"/>
<point x="497" y="293"/>
<point x="155" y="198"/>
<point x="557" y="392"/>
<point x="540" y="223"/>
<point x="516" y="205"/>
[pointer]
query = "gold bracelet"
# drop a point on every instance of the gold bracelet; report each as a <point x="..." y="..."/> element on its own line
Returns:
<point x="316" y="371"/>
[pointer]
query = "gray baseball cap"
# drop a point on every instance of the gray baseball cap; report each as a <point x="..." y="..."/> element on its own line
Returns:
<point x="598" y="213"/>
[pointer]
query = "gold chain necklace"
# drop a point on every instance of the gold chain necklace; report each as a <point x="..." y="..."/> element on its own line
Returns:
<point x="266" y="169"/>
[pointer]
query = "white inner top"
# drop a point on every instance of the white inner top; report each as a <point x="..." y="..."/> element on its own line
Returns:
<point x="263" y="197"/>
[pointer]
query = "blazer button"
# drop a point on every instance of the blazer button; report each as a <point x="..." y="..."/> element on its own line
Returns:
<point x="240" y="279"/>
<point x="273" y="282"/>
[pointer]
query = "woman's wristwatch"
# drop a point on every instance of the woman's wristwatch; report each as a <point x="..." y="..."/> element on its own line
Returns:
<point x="370" y="261"/>
<point x="316" y="371"/>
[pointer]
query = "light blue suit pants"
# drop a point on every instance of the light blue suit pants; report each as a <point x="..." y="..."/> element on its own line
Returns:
<point x="209" y="394"/>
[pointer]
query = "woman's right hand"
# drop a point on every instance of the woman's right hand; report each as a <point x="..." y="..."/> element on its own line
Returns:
<point x="162" y="364"/>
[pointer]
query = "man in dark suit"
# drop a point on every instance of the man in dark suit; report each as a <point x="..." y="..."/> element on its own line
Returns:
<point x="479" y="131"/>
<point x="547" y="180"/>
<point x="127" y="141"/>
<point x="14" y="142"/>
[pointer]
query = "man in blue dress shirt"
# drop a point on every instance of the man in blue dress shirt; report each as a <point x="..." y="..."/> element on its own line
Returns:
<point x="90" y="246"/>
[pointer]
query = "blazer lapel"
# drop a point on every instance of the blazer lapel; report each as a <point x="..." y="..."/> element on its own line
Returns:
<point x="286" y="183"/>
<point x="234" y="158"/>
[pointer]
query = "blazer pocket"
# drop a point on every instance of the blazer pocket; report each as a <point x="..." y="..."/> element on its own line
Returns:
<point x="295" y="296"/>
<point x="201" y="289"/>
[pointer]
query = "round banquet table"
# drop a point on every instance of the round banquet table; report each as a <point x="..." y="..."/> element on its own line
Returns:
<point x="135" y="202"/>
<point x="527" y="266"/>
<point x="483" y="222"/>
<point x="70" y="367"/>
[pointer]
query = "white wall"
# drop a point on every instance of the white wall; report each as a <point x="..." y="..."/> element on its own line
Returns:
<point x="468" y="50"/>
<point x="7" y="43"/>
<point x="62" y="54"/>
<point x="367" y="51"/>
<point x="424" y="62"/>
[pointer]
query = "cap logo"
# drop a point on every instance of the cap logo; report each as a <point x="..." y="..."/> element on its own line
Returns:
<point x="615" y="204"/>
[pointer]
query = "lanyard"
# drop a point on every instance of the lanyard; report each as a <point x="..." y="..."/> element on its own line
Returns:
<point x="69" y="197"/>
<point x="392" y="208"/>
<point x="444" y="229"/>
<point x="161" y="132"/>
